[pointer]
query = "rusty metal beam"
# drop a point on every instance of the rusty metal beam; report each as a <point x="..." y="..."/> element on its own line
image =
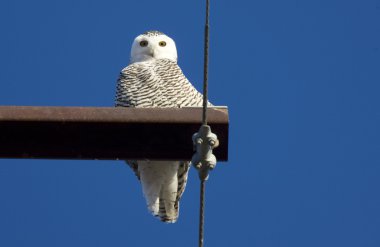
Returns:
<point x="106" y="133"/>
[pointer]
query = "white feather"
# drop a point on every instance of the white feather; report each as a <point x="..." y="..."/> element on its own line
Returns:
<point x="159" y="180"/>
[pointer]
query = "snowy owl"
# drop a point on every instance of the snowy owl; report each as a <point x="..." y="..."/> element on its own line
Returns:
<point x="154" y="79"/>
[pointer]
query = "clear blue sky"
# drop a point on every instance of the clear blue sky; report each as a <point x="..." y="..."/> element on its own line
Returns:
<point x="301" y="79"/>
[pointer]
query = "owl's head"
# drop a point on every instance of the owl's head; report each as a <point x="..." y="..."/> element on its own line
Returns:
<point x="153" y="45"/>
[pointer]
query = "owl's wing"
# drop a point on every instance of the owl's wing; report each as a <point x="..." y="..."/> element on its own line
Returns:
<point x="178" y="91"/>
<point x="159" y="84"/>
<point x="182" y="175"/>
<point x="131" y="87"/>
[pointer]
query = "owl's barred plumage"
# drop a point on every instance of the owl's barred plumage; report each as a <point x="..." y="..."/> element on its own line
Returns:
<point x="157" y="83"/>
<point x="154" y="79"/>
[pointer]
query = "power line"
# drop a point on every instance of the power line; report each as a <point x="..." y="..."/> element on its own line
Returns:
<point x="205" y="69"/>
<point x="204" y="141"/>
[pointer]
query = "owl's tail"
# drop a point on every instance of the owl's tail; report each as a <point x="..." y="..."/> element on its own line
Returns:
<point x="163" y="184"/>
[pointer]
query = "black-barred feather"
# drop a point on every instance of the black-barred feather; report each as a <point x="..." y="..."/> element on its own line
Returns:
<point x="182" y="180"/>
<point x="157" y="83"/>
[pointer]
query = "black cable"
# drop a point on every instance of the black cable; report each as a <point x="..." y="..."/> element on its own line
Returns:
<point x="205" y="77"/>
<point x="204" y="121"/>
<point x="201" y="212"/>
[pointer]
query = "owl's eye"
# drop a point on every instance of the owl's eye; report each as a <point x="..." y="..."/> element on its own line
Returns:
<point x="162" y="43"/>
<point x="143" y="43"/>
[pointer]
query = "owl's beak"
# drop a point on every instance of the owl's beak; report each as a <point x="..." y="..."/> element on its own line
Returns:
<point x="151" y="52"/>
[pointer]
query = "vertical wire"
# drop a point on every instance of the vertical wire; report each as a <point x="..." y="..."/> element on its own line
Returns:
<point x="201" y="212"/>
<point x="205" y="77"/>
<point x="204" y="122"/>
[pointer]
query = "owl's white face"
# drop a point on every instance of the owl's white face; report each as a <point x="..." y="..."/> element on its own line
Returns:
<point x="153" y="45"/>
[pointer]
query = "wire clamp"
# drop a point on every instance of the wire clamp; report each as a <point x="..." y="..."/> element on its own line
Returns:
<point x="204" y="142"/>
